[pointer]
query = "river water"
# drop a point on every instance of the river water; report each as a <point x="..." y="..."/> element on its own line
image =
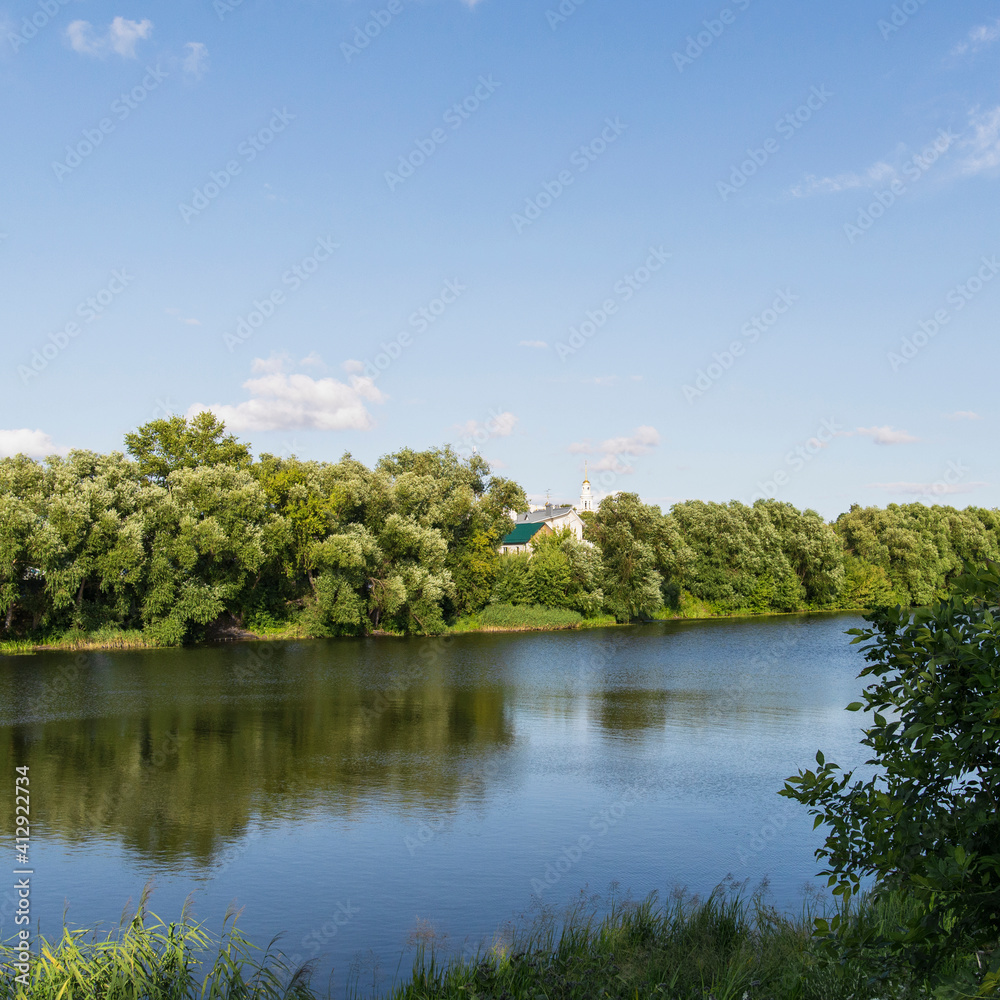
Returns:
<point x="360" y="795"/>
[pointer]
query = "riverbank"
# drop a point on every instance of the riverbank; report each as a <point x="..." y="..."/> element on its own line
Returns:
<point x="524" y="619"/>
<point x="725" y="947"/>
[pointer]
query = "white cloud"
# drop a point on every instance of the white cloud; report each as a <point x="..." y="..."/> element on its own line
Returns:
<point x="879" y="173"/>
<point x="540" y="344"/>
<point x="122" y="37"/>
<point x="268" y="366"/>
<point x="35" y="444"/>
<point x="195" y="63"/>
<point x="189" y="321"/>
<point x="353" y="366"/>
<point x="611" y="453"/>
<point x="927" y="489"/>
<point x="982" y="142"/>
<point x="979" y="38"/>
<point x="281" y="401"/>
<point x="886" y="435"/>
<point x="640" y="442"/>
<point x="978" y="143"/>
<point x="498" y="425"/>
<point x="963" y="415"/>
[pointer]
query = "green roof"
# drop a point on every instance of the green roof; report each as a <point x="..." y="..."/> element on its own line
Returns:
<point x="523" y="533"/>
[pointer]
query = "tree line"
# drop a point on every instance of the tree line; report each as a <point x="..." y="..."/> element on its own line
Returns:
<point x="186" y="529"/>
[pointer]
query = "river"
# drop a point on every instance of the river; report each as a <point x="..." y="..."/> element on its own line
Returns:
<point x="360" y="795"/>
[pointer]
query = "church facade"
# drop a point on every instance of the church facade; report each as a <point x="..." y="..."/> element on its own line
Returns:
<point x="547" y="519"/>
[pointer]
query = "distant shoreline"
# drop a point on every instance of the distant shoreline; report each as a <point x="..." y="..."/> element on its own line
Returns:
<point x="127" y="641"/>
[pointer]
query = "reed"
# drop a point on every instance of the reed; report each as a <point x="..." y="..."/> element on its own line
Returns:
<point x="147" y="959"/>
<point x="725" y="947"/>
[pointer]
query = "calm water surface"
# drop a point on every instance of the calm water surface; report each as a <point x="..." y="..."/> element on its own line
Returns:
<point x="353" y="793"/>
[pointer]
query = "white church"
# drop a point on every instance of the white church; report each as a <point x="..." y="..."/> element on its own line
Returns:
<point x="547" y="519"/>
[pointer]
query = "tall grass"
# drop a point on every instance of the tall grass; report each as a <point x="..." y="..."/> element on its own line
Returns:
<point x="77" y="640"/>
<point x="16" y="647"/>
<point x="726" y="947"/>
<point x="147" y="959"/>
<point x="509" y="616"/>
<point x="723" y="948"/>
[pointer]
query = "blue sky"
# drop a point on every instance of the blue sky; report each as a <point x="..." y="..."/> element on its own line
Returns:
<point x="714" y="251"/>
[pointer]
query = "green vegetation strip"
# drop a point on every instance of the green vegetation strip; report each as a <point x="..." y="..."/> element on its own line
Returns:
<point x="725" y="947"/>
<point x="188" y="538"/>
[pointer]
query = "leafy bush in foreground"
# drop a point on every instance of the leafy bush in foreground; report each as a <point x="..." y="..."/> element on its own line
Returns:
<point x="925" y="826"/>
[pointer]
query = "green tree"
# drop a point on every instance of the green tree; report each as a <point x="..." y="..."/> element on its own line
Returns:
<point x="549" y="570"/>
<point x="564" y="573"/>
<point x="925" y="826"/>
<point x="22" y="504"/>
<point x="626" y="530"/>
<point x="162" y="446"/>
<point x="512" y="585"/>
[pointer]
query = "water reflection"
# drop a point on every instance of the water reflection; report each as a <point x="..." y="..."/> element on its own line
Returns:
<point x="176" y="754"/>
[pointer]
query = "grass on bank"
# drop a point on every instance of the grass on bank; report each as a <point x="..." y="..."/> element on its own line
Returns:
<point x="510" y="616"/>
<point x="724" y="948"/>
<point x="78" y="640"/>
<point x="492" y="618"/>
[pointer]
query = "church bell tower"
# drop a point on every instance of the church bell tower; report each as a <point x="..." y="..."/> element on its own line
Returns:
<point x="586" y="497"/>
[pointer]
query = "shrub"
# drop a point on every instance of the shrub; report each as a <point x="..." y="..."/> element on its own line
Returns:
<point x="925" y="826"/>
